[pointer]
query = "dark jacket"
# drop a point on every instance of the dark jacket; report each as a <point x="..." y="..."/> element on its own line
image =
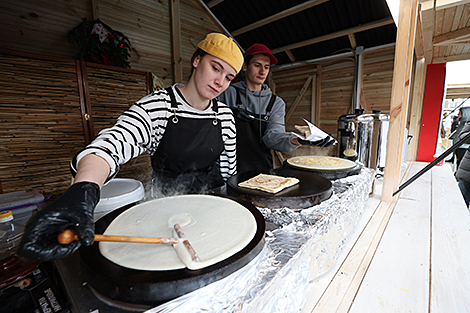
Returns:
<point x="463" y="172"/>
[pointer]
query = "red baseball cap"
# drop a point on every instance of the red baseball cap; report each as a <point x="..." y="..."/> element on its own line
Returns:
<point x="258" y="48"/>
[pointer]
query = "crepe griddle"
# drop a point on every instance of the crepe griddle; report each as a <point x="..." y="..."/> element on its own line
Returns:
<point x="311" y="190"/>
<point x="152" y="288"/>
<point x="331" y="174"/>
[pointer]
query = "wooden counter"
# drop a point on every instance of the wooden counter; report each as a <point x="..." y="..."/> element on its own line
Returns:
<point x="410" y="256"/>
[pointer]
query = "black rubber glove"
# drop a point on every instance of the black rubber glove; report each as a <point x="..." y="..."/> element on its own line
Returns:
<point x="325" y="142"/>
<point x="73" y="210"/>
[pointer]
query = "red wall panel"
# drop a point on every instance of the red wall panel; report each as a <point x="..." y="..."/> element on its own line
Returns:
<point x="432" y="106"/>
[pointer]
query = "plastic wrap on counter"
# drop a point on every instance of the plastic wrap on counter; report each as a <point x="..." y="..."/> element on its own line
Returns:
<point x="304" y="245"/>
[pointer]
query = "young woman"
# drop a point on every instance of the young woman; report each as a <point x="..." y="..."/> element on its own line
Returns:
<point x="189" y="135"/>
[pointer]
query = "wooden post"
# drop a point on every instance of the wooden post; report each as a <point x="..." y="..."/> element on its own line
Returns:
<point x="298" y="98"/>
<point x="96" y="9"/>
<point x="400" y="96"/>
<point x="416" y="108"/>
<point x="318" y="96"/>
<point x="313" y="106"/>
<point x="176" y="59"/>
<point x="84" y="99"/>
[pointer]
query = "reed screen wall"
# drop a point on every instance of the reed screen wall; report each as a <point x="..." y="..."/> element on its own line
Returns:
<point x="50" y="109"/>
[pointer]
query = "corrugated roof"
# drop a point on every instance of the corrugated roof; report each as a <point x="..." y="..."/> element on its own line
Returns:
<point x="315" y="23"/>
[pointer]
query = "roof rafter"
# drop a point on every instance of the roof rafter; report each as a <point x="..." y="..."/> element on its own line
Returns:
<point x="456" y="36"/>
<point x="345" y="32"/>
<point x="278" y="16"/>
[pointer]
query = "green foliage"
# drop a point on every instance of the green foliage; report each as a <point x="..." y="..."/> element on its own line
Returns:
<point x="114" y="50"/>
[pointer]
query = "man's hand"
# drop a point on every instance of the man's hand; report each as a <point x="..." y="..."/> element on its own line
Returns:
<point x="73" y="210"/>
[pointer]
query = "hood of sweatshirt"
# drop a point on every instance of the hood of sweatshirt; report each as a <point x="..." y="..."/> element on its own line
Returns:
<point x="255" y="101"/>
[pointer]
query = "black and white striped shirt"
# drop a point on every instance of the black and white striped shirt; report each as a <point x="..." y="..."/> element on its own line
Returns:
<point x="141" y="129"/>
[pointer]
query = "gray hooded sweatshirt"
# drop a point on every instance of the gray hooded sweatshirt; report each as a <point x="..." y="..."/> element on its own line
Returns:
<point x="275" y="137"/>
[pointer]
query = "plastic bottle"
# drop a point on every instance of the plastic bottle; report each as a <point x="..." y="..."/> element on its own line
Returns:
<point x="10" y="236"/>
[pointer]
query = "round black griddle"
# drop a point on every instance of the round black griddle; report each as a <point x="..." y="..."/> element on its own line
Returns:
<point x="152" y="288"/>
<point x="333" y="175"/>
<point x="311" y="190"/>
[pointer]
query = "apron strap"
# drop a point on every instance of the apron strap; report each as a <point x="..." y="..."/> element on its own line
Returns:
<point x="271" y="104"/>
<point x="174" y="105"/>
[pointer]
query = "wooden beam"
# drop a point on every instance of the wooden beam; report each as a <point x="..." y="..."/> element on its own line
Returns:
<point x="352" y="40"/>
<point x="400" y="96"/>
<point x="313" y="99"/>
<point x="463" y="43"/>
<point x="448" y="38"/>
<point x="451" y="58"/>
<point x="345" y="32"/>
<point x="318" y="95"/>
<point x="96" y="9"/>
<point x="445" y="4"/>
<point x="419" y="45"/>
<point x="290" y="55"/>
<point x="213" y="3"/>
<point x="427" y="15"/>
<point x="298" y="98"/>
<point x="419" y="82"/>
<point x="278" y="16"/>
<point x="176" y="60"/>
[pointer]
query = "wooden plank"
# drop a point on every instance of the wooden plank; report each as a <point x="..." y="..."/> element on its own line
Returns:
<point x="299" y="97"/>
<point x="416" y="108"/>
<point x="290" y="55"/>
<point x="419" y="46"/>
<point x="451" y="58"/>
<point x="339" y="294"/>
<point x="400" y="92"/>
<point x="213" y="3"/>
<point x="345" y="283"/>
<point x="96" y="9"/>
<point x="313" y="99"/>
<point x="318" y="95"/>
<point x="450" y="249"/>
<point x="397" y="279"/>
<point x="176" y="41"/>
<point x="451" y="36"/>
<point x="317" y="287"/>
<point x="427" y="13"/>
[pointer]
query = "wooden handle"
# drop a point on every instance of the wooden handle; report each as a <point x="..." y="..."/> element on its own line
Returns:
<point x="68" y="235"/>
<point x="186" y="243"/>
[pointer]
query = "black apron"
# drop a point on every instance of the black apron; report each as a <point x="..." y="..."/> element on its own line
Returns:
<point x="252" y="153"/>
<point x="186" y="160"/>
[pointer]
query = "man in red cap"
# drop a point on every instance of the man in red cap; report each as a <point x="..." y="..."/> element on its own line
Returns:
<point x="259" y="114"/>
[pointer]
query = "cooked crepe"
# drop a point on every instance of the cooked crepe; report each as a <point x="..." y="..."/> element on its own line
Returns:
<point x="269" y="183"/>
<point x="304" y="130"/>
<point x="326" y="163"/>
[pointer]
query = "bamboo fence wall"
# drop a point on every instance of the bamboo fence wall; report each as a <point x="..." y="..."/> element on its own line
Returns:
<point x="111" y="93"/>
<point x="41" y="119"/>
<point x="40" y="123"/>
